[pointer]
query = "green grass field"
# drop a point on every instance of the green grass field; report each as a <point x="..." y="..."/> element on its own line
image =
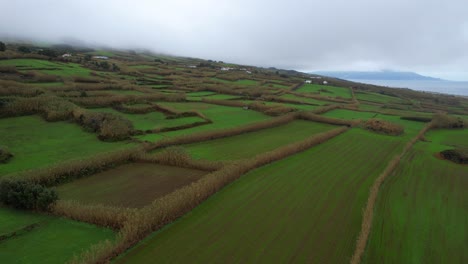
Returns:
<point x="305" y="208"/>
<point x="54" y="240"/>
<point x="304" y="99"/>
<point x="223" y="117"/>
<point x="325" y="90"/>
<point x="129" y="185"/>
<point x="377" y="98"/>
<point x="36" y="143"/>
<point x="54" y="68"/>
<point x="152" y="120"/>
<point x="411" y="127"/>
<point x="250" y="144"/>
<point x="421" y="214"/>
<point x="239" y="82"/>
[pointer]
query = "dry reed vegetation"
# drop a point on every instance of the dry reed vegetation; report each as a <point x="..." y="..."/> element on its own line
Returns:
<point x="177" y="156"/>
<point x="328" y="120"/>
<point x="368" y="213"/>
<point x="383" y="127"/>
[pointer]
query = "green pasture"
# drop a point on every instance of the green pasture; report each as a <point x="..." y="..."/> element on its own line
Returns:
<point x="421" y="214"/>
<point x="250" y="144"/>
<point x="306" y="208"/>
<point x="54" y="68"/>
<point x="325" y="90"/>
<point x="152" y="120"/>
<point x="223" y="117"/>
<point x="36" y="143"/>
<point x="53" y="240"/>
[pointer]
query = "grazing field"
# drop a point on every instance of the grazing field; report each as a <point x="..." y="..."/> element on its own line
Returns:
<point x="253" y="143"/>
<point x="129" y="185"/>
<point x="421" y="214"/>
<point x="223" y="117"/>
<point x="47" y="240"/>
<point x="304" y="99"/>
<point x="305" y="208"/>
<point x="411" y="127"/>
<point x="152" y="120"/>
<point x="325" y="90"/>
<point x="36" y="143"/>
<point x="54" y="68"/>
<point x="377" y="98"/>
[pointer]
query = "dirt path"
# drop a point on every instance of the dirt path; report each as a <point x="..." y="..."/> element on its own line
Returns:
<point x="366" y="224"/>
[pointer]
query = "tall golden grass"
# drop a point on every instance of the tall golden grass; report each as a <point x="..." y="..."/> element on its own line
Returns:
<point x="101" y="215"/>
<point x="178" y="156"/>
<point x="328" y="120"/>
<point x="368" y="214"/>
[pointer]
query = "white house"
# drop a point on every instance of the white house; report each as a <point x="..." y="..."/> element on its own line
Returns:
<point x="248" y="72"/>
<point x="308" y="81"/>
<point x="101" y="57"/>
<point x="66" y="55"/>
<point x="325" y="82"/>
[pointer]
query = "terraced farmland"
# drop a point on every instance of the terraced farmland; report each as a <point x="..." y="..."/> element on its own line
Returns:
<point x="223" y="117"/>
<point x="421" y="211"/>
<point x="152" y="120"/>
<point x="322" y="190"/>
<point x="249" y="144"/>
<point x="325" y="90"/>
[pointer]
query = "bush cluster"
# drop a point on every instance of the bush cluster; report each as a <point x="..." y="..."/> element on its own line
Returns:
<point x="5" y="154"/>
<point x="384" y="127"/>
<point x="21" y="194"/>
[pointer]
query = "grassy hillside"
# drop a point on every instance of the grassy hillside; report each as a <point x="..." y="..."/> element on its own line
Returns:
<point x="189" y="161"/>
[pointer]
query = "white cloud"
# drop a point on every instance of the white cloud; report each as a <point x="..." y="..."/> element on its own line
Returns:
<point x="421" y="35"/>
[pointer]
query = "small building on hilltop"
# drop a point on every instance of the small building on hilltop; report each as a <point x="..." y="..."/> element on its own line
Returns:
<point x="101" y="57"/>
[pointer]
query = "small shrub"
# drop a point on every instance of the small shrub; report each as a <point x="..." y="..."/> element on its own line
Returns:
<point x="21" y="194"/>
<point x="446" y="121"/>
<point x="459" y="156"/>
<point x="5" y="154"/>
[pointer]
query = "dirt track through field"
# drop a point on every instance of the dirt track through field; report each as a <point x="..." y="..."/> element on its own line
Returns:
<point x="368" y="214"/>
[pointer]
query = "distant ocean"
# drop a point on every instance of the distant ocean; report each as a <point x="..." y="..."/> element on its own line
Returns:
<point x="446" y="87"/>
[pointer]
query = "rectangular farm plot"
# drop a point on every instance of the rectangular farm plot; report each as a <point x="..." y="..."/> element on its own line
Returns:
<point x="411" y="127"/>
<point x="250" y="144"/>
<point x="129" y="185"/>
<point x="325" y="90"/>
<point x="421" y="212"/>
<point x="306" y="208"/>
<point x="36" y="143"/>
<point x="223" y="117"/>
<point x="38" y="238"/>
<point x="152" y="120"/>
<point x="54" y="68"/>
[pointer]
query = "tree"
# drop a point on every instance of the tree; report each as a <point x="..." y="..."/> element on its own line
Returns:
<point x="48" y="53"/>
<point x="24" y="49"/>
<point x="21" y="194"/>
<point x="2" y="46"/>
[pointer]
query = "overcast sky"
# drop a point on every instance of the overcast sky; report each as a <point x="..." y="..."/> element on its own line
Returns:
<point x="426" y="36"/>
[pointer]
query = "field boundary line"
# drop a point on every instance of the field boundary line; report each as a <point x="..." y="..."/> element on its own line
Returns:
<point x="368" y="215"/>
